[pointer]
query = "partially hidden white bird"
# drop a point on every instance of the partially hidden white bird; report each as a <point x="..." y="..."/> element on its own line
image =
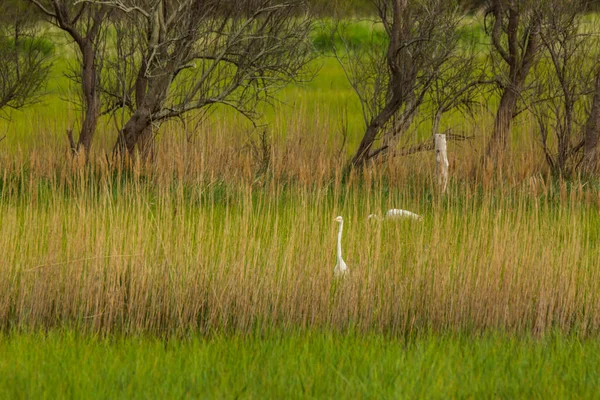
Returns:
<point x="396" y="213"/>
<point x="341" y="269"/>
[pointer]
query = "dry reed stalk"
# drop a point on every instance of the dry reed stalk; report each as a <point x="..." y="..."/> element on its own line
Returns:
<point x="220" y="245"/>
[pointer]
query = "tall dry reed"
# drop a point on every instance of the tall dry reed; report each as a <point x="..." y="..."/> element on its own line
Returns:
<point x="208" y="238"/>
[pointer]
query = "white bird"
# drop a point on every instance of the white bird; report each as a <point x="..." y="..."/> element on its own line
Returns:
<point x="396" y="213"/>
<point x="341" y="269"/>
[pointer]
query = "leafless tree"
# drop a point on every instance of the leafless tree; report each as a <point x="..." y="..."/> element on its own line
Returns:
<point x="196" y="54"/>
<point x="514" y="27"/>
<point x="395" y="78"/>
<point x="122" y="84"/>
<point x="85" y="24"/>
<point x="25" y="58"/>
<point x="564" y="82"/>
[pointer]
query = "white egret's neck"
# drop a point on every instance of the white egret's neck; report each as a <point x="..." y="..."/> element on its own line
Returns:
<point x="339" y="242"/>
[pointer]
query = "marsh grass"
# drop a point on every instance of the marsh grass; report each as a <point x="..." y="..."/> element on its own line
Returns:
<point x="205" y="240"/>
<point x="221" y="234"/>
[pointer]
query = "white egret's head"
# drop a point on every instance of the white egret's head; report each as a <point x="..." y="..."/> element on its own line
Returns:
<point x="339" y="219"/>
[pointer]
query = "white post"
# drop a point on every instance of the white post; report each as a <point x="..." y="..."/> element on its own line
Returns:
<point x="441" y="160"/>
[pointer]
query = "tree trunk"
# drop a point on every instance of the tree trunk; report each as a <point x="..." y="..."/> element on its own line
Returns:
<point x="133" y="130"/>
<point x="145" y="144"/>
<point x="502" y="123"/>
<point x="592" y="132"/>
<point x="398" y="60"/>
<point x="363" y="152"/>
<point x="138" y="130"/>
<point x="90" y="98"/>
<point x="519" y="53"/>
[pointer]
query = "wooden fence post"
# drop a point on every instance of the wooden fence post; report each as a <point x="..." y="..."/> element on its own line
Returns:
<point x="441" y="160"/>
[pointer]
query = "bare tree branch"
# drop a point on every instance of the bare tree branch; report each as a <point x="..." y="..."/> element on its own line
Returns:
<point x="564" y="85"/>
<point x="85" y="24"/>
<point x="119" y="5"/>
<point x="196" y="54"/>
<point x="516" y="40"/>
<point x="43" y="8"/>
<point x="410" y="70"/>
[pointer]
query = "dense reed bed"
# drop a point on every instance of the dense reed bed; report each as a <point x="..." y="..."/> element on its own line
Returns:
<point x="216" y="239"/>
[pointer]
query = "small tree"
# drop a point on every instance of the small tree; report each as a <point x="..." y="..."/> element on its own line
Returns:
<point x="196" y="54"/>
<point x="25" y="59"/>
<point x="514" y="27"/>
<point x="564" y="81"/>
<point x="85" y="24"/>
<point x="395" y="76"/>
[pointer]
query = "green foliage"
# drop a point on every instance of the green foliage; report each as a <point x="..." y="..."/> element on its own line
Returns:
<point x="356" y="34"/>
<point x="27" y="46"/>
<point x="351" y="35"/>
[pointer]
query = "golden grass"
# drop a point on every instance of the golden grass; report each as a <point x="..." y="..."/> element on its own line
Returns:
<point x="204" y="239"/>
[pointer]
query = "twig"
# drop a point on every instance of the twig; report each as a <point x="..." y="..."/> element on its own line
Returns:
<point x="80" y="260"/>
<point x="429" y="144"/>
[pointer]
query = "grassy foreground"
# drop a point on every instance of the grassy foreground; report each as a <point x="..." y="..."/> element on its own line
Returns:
<point x="291" y="365"/>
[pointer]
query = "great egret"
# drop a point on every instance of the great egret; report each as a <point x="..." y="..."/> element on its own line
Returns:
<point x="396" y="213"/>
<point x="341" y="269"/>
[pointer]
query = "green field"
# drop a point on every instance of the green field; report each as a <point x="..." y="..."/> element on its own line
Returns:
<point x="313" y="365"/>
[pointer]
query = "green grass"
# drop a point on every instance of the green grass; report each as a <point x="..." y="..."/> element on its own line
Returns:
<point x="351" y="34"/>
<point x="288" y="365"/>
